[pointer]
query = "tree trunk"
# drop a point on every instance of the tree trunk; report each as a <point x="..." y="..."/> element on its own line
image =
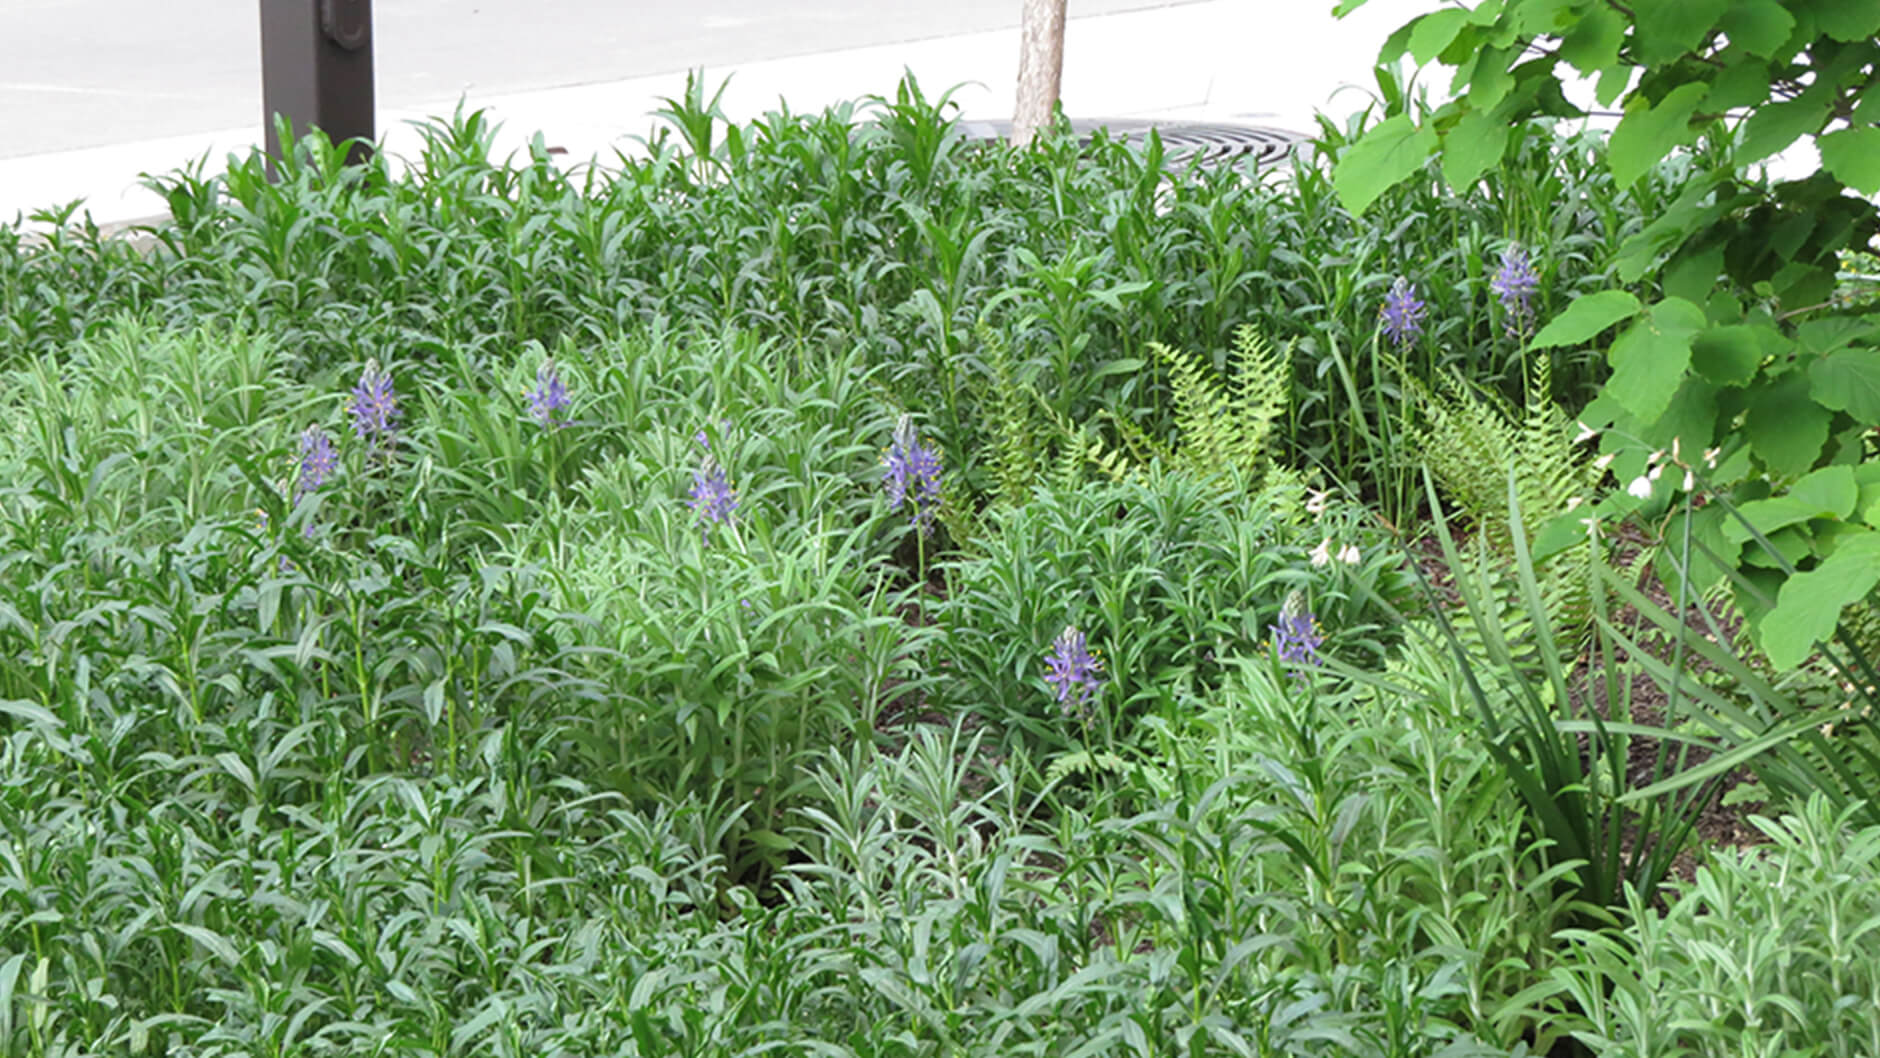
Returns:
<point x="1040" y="68"/>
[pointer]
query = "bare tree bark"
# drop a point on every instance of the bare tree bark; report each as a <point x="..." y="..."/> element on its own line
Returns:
<point x="1040" y="68"/>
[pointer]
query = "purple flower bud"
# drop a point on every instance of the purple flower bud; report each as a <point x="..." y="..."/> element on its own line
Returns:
<point x="712" y="496"/>
<point x="549" y="396"/>
<point x="1073" y="670"/>
<point x="1296" y="638"/>
<point x="1403" y="312"/>
<point x="374" y="406"/>
<point x="911" y="475"/>
<point x="1514" y="284"/>
<point x="318" y="461"/>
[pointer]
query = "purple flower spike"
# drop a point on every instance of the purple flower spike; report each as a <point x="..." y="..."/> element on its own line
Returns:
<point x="1073" y="671"/>
<point x="712" y="496"/>
<point x="911" y="475"/>
<point x="374" y="406"/>
<point x="1514" y="285"/>
<point x="318" y="461"/>
<point x="549" y="396"/>
<point x="1296" y="637"/>
<point x="1403" y="312"/>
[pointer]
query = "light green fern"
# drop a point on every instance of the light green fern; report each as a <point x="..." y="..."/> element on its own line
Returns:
<point x="1475" y="443"/>
<point x="1227" y="427"/>
<point x="1018" y="442"/>
<point x="1473" y="440"/>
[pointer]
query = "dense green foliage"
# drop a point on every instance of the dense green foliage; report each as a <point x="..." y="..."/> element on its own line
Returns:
<point x="590" y="678"/>
<point x="1739" y="348"/>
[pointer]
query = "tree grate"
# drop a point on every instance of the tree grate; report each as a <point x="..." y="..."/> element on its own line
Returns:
<point x="1212" y="142"/>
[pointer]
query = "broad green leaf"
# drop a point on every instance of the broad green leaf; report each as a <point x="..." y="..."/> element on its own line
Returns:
<point x="1383" y="158"/>
<point x="1774" y="126"/>
<point x="1433" y="33"/>
<point x="1666" y="29"/>
<point x="1346" y="7"/>
<point x="1690" y="419"/>
<point x="1810" y="603"/>
<point x="1759" y="27"/>
<point x="1833" y="333"/>
<point x="1853" y="156"/>
<point x="1826" y="493"/>
<point x="1742" y="83"/>
<point x="1592" y="45"/>
<point x="1867" y="105"/>
<point x="1785" y="427"/>
<point x="1473" y="146"/>
<point x="1587" y="316"/>
<point x="1728" y="355"/>
<point x="1647" y="133"/>
<point x="1491" y="82"/>
<point x="1848" y="20"/>
<point x="1537" y="17"/>
<point x="1649" y="359"/>
<point x="1612" y="84"/>
<point x="1848" y="381"/>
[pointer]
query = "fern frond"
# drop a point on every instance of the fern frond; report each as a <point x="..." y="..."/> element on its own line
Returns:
<point x="1016" y="439"/>
<point x="1262" y="389"/>
<point x="1201" y="409"/>
<point x="1084" y="762"/>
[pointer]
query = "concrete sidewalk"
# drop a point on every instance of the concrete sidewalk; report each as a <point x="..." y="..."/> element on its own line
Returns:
<point x="1272" y="62"/>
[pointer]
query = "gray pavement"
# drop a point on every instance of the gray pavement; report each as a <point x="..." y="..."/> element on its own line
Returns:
<point x="88" y="73"/>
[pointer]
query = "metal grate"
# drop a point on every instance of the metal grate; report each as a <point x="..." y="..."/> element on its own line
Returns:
<point x="1216" y="143"/>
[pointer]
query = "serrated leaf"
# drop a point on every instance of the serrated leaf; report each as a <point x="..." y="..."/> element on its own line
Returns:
<point x="1592" y="45"/>
<point x="1810" y="603"/>
<point x="1848" y="381"/>
<point x="1785" y="427"/>
<point x="1649" y="359"/>
<point x="1587" y="316"/>
<point x="1434" y="31"/>
<point x="1827" y="493"/>
<point x="1774" y="126"/>
<point x="1648" y="132"/>
<point x="1848" y="20"/>
<point x="1742" y="83"/>
<point x="1383" y="158"/>
<point x="1759" y="27"/>
<point x="1613" y="82"/>
<point x="1728" y="355"/>
<point x="1833" y="333"/>
<point x="1472" y="147"/>
<point x="1853" y="156"/>
<point x="1491" y="82"/>
<point x="1665" y="29"/>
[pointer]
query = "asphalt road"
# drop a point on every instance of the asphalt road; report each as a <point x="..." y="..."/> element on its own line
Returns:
<point x="86" y="73"/>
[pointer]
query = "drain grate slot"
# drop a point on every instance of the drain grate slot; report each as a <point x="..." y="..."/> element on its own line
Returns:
<point x="1215" y="143"/>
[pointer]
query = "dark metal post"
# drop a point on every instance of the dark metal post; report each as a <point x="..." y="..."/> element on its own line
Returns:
<point x="316" y="68"/>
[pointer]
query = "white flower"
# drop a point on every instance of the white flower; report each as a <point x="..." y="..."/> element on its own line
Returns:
<point x="1587" y="433"/>
<point x="1322" y="554"/>
<point x="1710" y="457"/>
<point x="1641" y="487"/>
<point x="1349" y="554"/>
<point x="1592" y="526"/>
<point x="1690" y="480"/>
<point x="1655" y="471"/>
<point x="1573" y="502"/>
<point x="1675" y="458"/>
<point x="1605" y="461"/>
<point x="1316" y="501"/>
